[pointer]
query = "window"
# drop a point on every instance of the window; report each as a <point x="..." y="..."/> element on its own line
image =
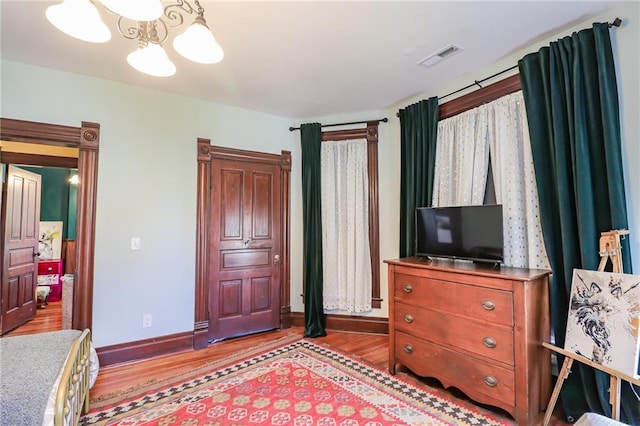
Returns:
<point x="370" y="133"/>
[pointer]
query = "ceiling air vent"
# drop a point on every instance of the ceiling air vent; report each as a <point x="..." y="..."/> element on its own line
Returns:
<point x="443" y="53"/>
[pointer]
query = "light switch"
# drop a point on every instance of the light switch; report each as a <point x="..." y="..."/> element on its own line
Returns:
<point x="135" y="243"/>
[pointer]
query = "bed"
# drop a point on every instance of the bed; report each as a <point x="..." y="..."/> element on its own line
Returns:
<point x="45" y="377"/>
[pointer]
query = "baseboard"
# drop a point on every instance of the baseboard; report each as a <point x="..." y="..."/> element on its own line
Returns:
<point x="142" y="349"/>
<point x="163" y="345"/>
<point x="358" y="324"/>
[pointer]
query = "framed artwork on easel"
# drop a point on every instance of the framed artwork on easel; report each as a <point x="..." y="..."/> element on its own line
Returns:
<point x="604" y="319"/>
<point x="603" y="326"/>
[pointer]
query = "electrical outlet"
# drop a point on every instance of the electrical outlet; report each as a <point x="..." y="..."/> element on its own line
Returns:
<point x="135" y="243"/>
<point x="147" y="320"/>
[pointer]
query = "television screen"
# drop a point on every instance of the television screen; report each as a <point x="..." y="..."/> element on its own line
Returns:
<point x="463" y="232"/>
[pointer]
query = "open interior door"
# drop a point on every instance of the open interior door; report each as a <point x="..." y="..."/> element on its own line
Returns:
<point x="21" y="222"/>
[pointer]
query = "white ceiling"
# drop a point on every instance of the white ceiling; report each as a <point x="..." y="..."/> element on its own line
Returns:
<point x="309" y="58"/>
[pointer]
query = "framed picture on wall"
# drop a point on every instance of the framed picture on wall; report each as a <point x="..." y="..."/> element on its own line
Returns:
<point x="50" y="240"/>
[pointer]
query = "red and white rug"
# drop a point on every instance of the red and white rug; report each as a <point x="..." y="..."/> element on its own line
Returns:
<point x="299" y="384"/>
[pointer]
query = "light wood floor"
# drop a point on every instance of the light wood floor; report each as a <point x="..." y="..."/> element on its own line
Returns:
<point x="48" y="318"/>
<point x="371" y="348"/>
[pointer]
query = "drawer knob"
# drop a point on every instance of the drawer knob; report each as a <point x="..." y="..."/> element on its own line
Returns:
<point x="408" y="318"/>
<point x="407" y="288"/>
<point x="488" y="305"/>
<point x="489" y="342"/>
<point x="490" y="381"/>
<point x="408" y="349"/>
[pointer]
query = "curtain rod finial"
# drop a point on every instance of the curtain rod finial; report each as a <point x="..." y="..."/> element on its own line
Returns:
<point x="616" y="23"/>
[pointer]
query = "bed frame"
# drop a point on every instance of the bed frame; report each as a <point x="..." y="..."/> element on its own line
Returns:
<point x="72" y="397"/>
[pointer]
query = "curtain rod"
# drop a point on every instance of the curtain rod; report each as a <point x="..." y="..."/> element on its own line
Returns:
<point x="616" y="23"/>
<point x="384" y="120"/>
<point x="477" y="82"/>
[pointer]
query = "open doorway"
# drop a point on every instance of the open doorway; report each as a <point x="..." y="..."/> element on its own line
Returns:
<point x="86" y="140"/>
<point x="54" y="250"/>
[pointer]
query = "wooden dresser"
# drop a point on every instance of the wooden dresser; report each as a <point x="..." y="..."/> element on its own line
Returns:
<point x="474" y="327"/>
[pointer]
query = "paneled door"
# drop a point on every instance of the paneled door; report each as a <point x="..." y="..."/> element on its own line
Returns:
<point x="245" y="252"/>
<point x="20" y="233"/>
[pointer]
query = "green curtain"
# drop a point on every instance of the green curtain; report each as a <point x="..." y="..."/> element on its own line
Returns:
<point x="571" y="98"/>
<point x="418" y="133"/>
<point x="311" y="139"/>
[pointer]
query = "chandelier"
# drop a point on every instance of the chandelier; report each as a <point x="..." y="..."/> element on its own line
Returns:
<point x="146" y="21"/>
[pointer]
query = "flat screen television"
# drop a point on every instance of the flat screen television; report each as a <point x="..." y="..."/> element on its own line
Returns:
<point x="463" y="232"/>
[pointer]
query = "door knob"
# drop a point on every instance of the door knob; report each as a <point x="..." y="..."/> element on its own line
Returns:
<point x="276" y="260"/>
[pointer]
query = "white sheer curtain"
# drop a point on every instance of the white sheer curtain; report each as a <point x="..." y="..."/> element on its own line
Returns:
<point x="465" y="141"/>
<point x="462" y="159"/>
<point x="346" y="257"/>
<point x="515" y="182"/>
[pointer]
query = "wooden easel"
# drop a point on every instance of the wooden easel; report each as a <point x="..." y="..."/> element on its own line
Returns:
<point x="610" y="249"/>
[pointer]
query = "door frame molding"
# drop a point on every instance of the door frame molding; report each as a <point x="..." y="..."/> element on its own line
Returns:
<point x="87" y="139"/>
<point x="206" y="153"/>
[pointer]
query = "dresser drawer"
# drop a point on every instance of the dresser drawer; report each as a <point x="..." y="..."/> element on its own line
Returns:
<point x="467" y="300"/>
<point x="49" y="267"/>
<point x="480" y="380"/>
<point x="489" y="340"/>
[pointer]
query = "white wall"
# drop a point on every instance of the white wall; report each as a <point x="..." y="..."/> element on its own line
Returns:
<point x="627" y="57"/>
<point x="146" y="186"/>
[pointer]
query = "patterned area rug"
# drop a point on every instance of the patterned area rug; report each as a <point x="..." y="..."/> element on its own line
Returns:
<point x="298" y="384"/>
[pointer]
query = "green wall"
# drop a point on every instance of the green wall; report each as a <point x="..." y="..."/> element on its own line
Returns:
<point x="58" y="198"/>
<point x="71" y="214"/>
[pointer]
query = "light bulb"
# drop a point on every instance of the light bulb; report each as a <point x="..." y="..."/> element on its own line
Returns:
<point x="138" y="10"/>
<point x="153" y="60"/>
<point x="79" y="19"/>
<point x="198" y="44"/>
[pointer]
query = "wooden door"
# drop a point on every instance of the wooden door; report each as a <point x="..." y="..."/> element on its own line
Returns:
<point x="245" y="252"/>
<point x="20" y="232"/>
